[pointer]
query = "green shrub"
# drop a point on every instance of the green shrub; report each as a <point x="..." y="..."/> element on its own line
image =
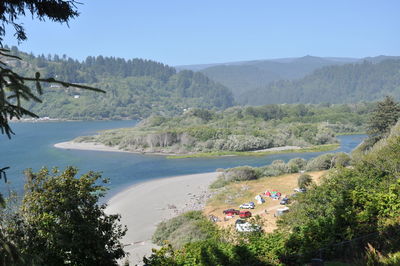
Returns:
<point x="322" y="162"/>
<point x="304" y="180"/>
<point x="295" y="165"/>
<point x="188" y="227"/>
<point x="280" y="166"/>
<point x="219" y="182"/>
<point x="268" y="171"/>
<point x="341" y="159"/>
<point x="241" y="173"/>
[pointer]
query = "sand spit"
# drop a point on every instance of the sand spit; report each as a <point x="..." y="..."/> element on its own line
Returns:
<point x="145" y="205"/>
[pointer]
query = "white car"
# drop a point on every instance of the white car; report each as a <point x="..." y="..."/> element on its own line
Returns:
<point x="243" y="226"/>
<point x="281" y="211"/>
<point x="247" y="206"/>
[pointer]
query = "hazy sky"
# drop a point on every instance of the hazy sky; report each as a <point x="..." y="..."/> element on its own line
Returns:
<point x="180" y="32"/>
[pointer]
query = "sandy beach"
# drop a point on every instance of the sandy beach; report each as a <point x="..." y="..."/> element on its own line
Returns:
<point x="92" y="146"/>
<point x="145" y="205"/>
<point x="88" y="146"/>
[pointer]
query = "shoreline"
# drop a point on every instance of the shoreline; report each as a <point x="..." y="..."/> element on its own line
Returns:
<point x="94" y="146"/>
<point x="142" y="206"/>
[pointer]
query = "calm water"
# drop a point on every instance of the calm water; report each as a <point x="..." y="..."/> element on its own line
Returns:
<point x="32" y="147"/>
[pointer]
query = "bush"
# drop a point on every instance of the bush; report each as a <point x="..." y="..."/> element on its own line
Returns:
<point x="268" y="171"/>
<point x="322" y="162"/>
<point x="279" y="166"/>
<point x="296" y="165"/>
<point x="241" y="173"/>
<point x="304" y="180"/>
<point x="219" y="182"/>
<point x="341" y="159"/>
<point x="327" y="161"/>
<point x="188" y="227"/>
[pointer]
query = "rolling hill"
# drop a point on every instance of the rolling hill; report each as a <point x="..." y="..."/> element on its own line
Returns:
<point x="135" y="88"/>
<point x="245" y="76"/>
<point x="350" y="83"/>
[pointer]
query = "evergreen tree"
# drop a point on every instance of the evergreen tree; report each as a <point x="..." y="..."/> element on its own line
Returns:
<point x="384" y="116"/>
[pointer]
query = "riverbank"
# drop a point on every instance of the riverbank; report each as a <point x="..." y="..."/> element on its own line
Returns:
<point x="275" y="150"/>
<point x="145" y="205"/>
<point x="70" y="145"/>
<point x="94" y="146"/>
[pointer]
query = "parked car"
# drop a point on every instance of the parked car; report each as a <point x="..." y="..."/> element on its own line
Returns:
<point x="244" y="214"/>
<point x="281" y="211"/>
<point x="302" y="190"/>
<point x="231" y="212"/>
<point x="244" y="226"/>
<point x="284" y="201"/>
<point x="247" y="206"/>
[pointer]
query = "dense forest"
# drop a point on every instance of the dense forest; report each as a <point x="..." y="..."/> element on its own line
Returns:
<point x="241" y="77"/>
<point x="238" y="129"/>
<point x="135" y="88"/>
<point x="350" y="83"/>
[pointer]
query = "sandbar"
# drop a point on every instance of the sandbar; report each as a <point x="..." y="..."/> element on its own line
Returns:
<point x="94" y="146"/>
<point x="88" y="146"/>
<point x="145" y="205"/>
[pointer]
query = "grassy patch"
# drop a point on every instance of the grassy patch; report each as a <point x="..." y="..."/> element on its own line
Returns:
<point x="319" y="148"/>
<point x="231" y="195"/>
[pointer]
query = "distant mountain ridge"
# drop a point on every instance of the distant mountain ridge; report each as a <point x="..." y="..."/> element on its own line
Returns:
<point x="248" y="75"/>
<point x="199" y="67"/>
<point x="368" y="81"/>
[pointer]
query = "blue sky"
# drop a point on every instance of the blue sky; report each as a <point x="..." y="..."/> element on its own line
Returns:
<point x="178" y="32"/>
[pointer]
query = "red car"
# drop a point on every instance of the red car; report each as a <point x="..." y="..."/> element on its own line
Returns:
<point x="244" y="214"/>
<point x="231" y="212"/>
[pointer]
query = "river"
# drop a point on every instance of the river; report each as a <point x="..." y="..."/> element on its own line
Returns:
<point x="32" y="147"/>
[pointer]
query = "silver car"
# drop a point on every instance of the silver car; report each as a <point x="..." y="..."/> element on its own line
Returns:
<point x="247" y="206"/>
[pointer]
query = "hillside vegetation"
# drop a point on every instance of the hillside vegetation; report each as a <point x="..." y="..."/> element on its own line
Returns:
<point x="351" y="217"/>
<point x="348" y="83"/>
<point x="135" y="88"/>
<point x="238" y="129"/>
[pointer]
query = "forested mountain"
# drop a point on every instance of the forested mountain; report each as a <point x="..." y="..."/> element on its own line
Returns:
<point x="135" y="88"/>
<point x="348" y="83"/>
<point x="243" y="76"/>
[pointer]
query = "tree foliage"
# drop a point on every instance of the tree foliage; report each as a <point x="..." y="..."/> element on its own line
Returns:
<point x="14" y="87"/>
<point x="383" y="118"/>
<point x="349" y="203"/>
<point x="11" y="11"/>
<point x="61" y="221"/>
